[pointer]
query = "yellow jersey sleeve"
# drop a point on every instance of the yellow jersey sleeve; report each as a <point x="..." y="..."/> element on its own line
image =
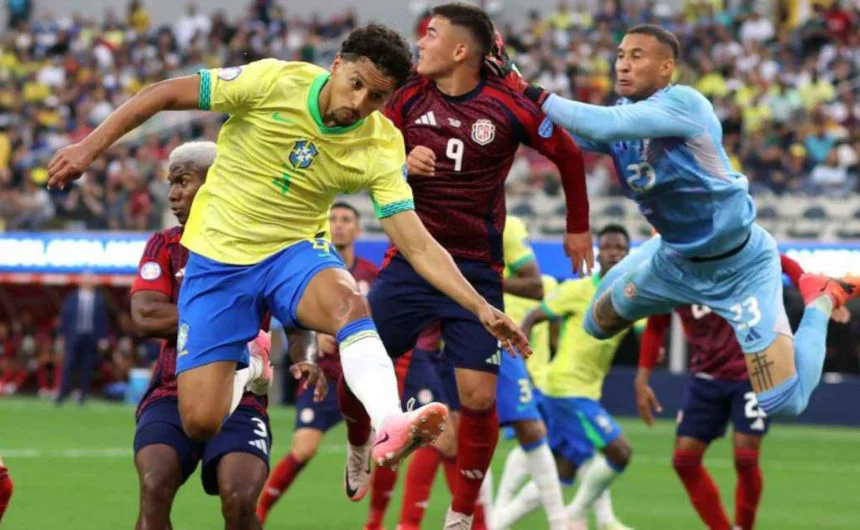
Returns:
<point x="235" y="89"/>
<point x="566" y="299"/>
<point x="516" y="247"/>
<point x="389" y="190"/>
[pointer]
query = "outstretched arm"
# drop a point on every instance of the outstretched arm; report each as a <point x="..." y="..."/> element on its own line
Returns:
<point x="525" y="282"/>
<point x="668" y="115"/>
<point x="69" y="163"/>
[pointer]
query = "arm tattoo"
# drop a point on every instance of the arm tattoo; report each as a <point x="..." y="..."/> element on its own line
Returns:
<point x="607" y="318"/>
<point x="759" y="370"/>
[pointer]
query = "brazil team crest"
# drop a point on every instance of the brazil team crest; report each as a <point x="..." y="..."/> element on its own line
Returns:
<point x="303" y="154"/>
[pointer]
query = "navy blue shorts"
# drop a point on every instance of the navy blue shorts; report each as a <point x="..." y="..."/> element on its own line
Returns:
<point x="320" y="416"/>
<point x="403" y="304"/>
<point x="429" y="377"/>
<point x="245" y="431"/>
<point x="709" y="404"/>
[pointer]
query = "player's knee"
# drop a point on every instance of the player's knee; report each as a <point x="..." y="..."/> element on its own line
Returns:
<point x="200" y="425"/>
<point x="619" y="453"/>
<point x="530" y="432"/>
<point x="238" y="501"/>
<point x="592" y="328"/>
<point x="304" y="452"/>
<point x="478" y="397"/>
<point x="348" y="307"/>
<point x="684" y="461"/>
<point x="157" y="488"/>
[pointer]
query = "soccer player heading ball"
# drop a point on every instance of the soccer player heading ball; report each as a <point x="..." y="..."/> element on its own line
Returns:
<point x="297" y="137"/>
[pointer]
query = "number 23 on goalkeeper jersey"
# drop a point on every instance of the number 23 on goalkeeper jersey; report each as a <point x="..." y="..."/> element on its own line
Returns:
<point x="278" y="167"/>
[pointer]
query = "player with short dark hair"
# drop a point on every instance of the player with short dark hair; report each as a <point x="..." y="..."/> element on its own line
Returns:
<point x="718" y="392"/>
<point x="667" y="141"/>
<point x="236" y="461"/>
<point x="297" y="137"/>
<point x="462" y="128"/>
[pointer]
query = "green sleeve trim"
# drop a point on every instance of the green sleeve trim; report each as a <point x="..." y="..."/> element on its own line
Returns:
<point x="522" y="262"/>
<point x="393" y="208"/>
<point x="549" y="312"/>
<point x="204" y="97"/>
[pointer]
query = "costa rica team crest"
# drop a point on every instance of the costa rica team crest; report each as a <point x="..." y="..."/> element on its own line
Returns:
<point x="303" y="154"/>
<point x="483" y="132"/>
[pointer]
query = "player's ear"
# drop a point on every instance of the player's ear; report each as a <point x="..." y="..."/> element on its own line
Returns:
<point x="461" y="51"/>
<point x="336" y="63"/>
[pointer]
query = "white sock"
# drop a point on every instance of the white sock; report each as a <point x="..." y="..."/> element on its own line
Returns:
<point x="369" y="373"/>
<point x="485" y="495"/>
<point x="595" y="481"/>
<point x="525" y="502"/>
<point x="514" y="474"/>
<point x="241" y="378"/>
<point x="603" y="508"/>
<point x="541" y="466"/>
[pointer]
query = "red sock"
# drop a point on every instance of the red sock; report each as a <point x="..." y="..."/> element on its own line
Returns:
<point x="749" y="487"/>
<point x="477" y="436"/>
<point x="701" y="489"/>
<point x="356" y="418"/>
<point x="384" y="479"/>
<point x="5" y="490"/>
<point x="279" y="480"/>
<point x="449" y="464"/>
<point x="419" y="482"/>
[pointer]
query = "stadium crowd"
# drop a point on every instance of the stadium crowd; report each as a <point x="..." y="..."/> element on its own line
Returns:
<point x="785" y="83"/>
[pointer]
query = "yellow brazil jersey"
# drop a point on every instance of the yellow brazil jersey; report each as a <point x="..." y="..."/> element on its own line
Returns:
<point x="279" y="168"/>
<point x="581" y="362"/>
<point x="517" y="253"/>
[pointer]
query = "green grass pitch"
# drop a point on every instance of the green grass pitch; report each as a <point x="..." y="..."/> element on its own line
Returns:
<point x="73" y="469"/>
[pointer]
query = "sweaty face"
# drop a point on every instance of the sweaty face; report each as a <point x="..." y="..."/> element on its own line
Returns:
<point x="612" y="248"/>
<point x="441" y="47"/>
<point x="344" y="227"/>
<point x="184" y="180"/>
<point x="643" y="65"/>
<point x="358" y="88"/>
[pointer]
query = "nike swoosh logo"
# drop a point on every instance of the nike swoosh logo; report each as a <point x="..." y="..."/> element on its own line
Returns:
<point x="382" y="440"/>
<point x="277" y="117"/>
<point x="349" y="491"/>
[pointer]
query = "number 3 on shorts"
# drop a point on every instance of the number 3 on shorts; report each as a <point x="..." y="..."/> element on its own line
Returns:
<point x="747" y="314"/>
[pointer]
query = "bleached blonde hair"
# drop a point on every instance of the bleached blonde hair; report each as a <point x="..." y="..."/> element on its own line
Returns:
<point x="200" y="155"/>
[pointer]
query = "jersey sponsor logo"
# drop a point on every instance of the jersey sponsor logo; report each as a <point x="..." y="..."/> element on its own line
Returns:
<point x="545" y="129"/>
<point x="454" y="123"/>
<point x="483" y="132"/>
<point x="303" y="154"/>
<point x="428" y="118"/>
<point x="229" y="74"/>
<point x="150" y="271"/>
<point x="182" y="339"/>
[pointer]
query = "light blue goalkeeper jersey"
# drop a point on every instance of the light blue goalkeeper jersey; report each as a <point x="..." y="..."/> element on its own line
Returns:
<point x="669" y="156"/>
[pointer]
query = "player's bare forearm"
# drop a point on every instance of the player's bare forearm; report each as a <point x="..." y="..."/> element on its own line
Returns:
<point x="534" y="317"/>
<point x="153" y="315"/>
<point x="302" y="345"/>
<point x="180" y="93"/>
<point x="526" y="282"/>
<point x="643" y="376"/>
<point x="430" y="259"/>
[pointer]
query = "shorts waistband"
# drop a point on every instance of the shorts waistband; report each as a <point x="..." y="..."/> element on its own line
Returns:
<point x="724" y="255"/>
